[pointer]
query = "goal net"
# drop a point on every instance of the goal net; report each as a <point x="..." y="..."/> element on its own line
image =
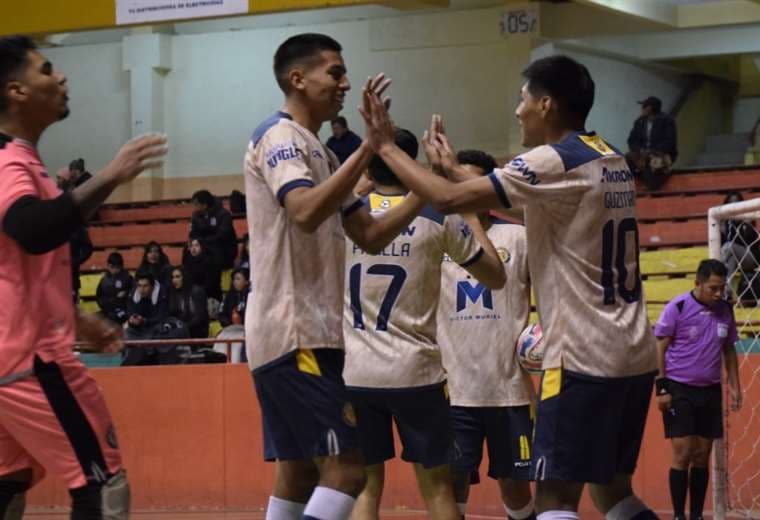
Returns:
<point x="734" y="239"/>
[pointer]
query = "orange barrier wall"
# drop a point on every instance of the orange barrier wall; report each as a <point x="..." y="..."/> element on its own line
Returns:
<point x="191" y="438"/>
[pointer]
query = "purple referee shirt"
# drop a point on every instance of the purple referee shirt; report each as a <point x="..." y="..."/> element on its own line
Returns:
<point x="698" y="334"/>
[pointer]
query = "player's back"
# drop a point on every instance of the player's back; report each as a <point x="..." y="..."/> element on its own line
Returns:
<point x="298" y="276"/>
<point x="583" y="251"/>
<point x="392" y="300"/>
<point x="41" y="282"/>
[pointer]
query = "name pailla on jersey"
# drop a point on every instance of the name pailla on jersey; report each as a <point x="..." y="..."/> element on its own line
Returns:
<point x="282" y="152"/>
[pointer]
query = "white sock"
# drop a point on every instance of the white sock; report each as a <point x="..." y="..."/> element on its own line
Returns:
<point x="524" y="512"/>
<point x="627" y="508"/>
<point x="462" y="506"/>
<point x="279" y="509"/>
<point x="558" y="515"/>
<point x="329" y="504"/>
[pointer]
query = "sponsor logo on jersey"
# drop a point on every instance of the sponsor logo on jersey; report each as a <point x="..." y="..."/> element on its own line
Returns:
<point x="282" y="152"/>
<point x="504" y="254"/>
<point x="466" y="291"/>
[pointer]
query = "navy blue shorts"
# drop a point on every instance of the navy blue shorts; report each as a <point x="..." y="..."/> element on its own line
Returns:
<point x="304" y="408"/>
<point x="422" y="418"/>
<point x="506" y="429"/>
<point x="589" y="429"/>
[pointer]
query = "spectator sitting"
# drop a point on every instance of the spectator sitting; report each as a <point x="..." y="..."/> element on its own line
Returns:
<point x="343" y="141"/>
<point x="243" y="260"/>
<point x="147" y="307"/>
<point x="187" y="303"/>
<point x="204" y="272"/>
<point x="740" y="251"/>
<point x="114" y="289"/>
<point x="156" y="263"/>
<point x="232" y="311"/>
<point x="212" y="223"/>
<point x="232" y="316"/>
<point x="80" y="244"/>
<point x="653" y="144"/>
<point x="79" y="175"/>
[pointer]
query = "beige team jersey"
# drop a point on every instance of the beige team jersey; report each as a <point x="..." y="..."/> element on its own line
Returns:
<point x="478" y="327"/>
<point x="298" y="276"/>
<point x="392" y="299"/>
<point x="583" y="251"/>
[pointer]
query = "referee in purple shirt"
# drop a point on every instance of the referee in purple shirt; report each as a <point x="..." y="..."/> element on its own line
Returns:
<point x="695" y="331"/>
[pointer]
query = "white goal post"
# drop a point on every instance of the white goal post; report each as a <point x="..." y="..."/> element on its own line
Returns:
<point x="736" y="457"/>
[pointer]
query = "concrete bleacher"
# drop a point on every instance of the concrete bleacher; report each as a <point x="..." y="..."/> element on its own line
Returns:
<point x="672" y="231"/>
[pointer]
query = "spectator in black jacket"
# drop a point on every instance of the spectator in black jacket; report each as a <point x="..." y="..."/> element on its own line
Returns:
<point x="147" y="307"/>
<point x="232" y="311"/>
<point x="343" y="141"/>
<point x="155" y="262"/>
<point x="187" y="303"/>
<point x="212" y="223"/>
<point x="653" y="144"/>
<point x="740" y="252"/>
<point x="79" y="174"/>
<point x="114" y="289"/>
<point x="203" y="271"/>
<point x="243" y="260"/>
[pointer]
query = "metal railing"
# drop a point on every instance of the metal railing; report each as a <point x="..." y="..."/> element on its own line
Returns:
<point x="87" y="348"/>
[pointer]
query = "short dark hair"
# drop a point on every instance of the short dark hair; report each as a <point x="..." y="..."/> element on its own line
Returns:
<point x="77" y="164"/>
<point x="478" y="158"/>
<point x="13" y="56"/>
<point x="203" y="197"/>
<point x="710" y="267"/>
<point x="115" y="259"/>
<point x="733" y="195"/>
<point x="379" y="171"/>
<point x="567" y="82"/>
<point x="300" y="49"/>
<point x="145" y="275"/>
<point x="341" y="121"/>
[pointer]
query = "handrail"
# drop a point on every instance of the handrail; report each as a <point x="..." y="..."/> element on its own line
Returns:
<point x="163" y="342"/>
<point x="695" y="81"/>
<point x="755" y="134"/>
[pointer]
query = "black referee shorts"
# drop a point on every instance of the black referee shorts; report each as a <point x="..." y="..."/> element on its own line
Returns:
<point x="694" y="410"/>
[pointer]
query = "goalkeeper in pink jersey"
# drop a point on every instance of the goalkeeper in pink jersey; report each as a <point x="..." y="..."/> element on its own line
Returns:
<point x="52" y="413"/>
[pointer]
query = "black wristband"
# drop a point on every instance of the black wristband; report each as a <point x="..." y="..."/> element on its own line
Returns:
<point x="662" y="386"/>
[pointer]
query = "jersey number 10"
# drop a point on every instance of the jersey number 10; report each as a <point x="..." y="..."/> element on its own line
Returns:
<point x="609" y="239"/>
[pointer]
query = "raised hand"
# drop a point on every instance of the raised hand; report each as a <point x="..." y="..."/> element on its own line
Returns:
<point x="430" y="148"/>
<point x="380" y="129"/>
<point x="137" y="155"/>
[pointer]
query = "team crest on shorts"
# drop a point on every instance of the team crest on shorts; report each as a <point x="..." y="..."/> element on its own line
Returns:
<point x="349" y="415"/>
<point x="504" y="254"/>
<point x="111" y="438"/>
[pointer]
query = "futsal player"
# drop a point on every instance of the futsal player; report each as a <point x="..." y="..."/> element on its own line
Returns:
<point x="300" y="202"/>
<point x="578" y="197"/>
<point x="393" y="364"/>
<point x="52" y="413"/>
<point x="490" y="393"/>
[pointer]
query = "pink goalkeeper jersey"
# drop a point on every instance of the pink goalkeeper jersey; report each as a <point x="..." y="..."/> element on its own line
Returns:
<point x="36" y="312"/>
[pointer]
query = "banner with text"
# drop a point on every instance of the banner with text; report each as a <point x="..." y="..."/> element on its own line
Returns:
<point x="148" y="11"/>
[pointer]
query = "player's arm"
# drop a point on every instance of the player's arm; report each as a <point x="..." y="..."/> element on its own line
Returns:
<point x="39" y="226"/>
<point x="372" y="233"/>
<point x="99" y="333"/>
<point x="488" y="269"/>
<point x="661" y="382"/>
<point x="309" y="206"/>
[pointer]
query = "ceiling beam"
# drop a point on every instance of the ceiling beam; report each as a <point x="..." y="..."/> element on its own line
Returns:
<point x="726" y="12"/>
<point x="41" y="17"/>
<point x="651" y="10"/>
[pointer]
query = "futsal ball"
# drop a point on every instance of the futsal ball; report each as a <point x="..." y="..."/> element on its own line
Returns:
<point x="530" y="348"/>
